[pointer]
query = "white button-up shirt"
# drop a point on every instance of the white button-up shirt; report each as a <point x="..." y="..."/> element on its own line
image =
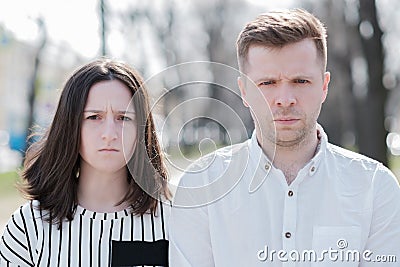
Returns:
<point x="234" y="208"/>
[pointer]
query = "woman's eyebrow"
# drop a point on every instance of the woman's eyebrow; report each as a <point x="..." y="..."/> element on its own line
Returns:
<point x="93" y="111"/>
<point x="125" y="112"/>
<point x="118" y="112"/>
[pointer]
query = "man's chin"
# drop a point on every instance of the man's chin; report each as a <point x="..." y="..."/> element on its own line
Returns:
<point x="288" y="139"/>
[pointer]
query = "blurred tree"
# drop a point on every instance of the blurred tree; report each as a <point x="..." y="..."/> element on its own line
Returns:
<point x="220" y="47"/>
<point x="354" y="114"/>
<point x="337" y="115"/>
<point x="33" y="87"/>
<point x="371" y="131"/>
<point x="175" y="29"/>
<point x="102" y="9"/>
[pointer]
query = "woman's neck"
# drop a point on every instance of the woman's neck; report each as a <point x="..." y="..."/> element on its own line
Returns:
<point x="100" y="191"/>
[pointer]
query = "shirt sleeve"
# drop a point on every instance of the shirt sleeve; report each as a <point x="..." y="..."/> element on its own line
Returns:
<point x="383" y="244"/>
<point x="189" y="232"/>
<point x="15" y="247"/>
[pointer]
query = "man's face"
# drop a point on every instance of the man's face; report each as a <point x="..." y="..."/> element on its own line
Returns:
<point x="288" y="91"/>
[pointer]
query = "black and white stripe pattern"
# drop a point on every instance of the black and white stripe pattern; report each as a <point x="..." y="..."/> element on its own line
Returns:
<point x="85" y="241"/>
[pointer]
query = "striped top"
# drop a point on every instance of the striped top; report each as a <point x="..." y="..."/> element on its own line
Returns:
<point x="87" y="240"/>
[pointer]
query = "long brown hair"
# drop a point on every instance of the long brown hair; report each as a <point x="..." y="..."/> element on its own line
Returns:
<point x="52" y="163"/>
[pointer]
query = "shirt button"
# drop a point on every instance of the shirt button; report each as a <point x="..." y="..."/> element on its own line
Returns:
<point x="290" y="193"/>
<point x="267" y="166"/>
<point x="288" y="234"/>
<point x="312" y="170"/>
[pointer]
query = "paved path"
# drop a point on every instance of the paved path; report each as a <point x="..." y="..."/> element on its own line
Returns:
<point x="8" y="204"/>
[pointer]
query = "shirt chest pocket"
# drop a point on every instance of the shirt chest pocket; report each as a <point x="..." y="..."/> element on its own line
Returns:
<point x="336" y="245"/>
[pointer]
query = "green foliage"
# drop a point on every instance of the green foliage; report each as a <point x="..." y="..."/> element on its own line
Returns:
<point x="394" y="164"/>
<point x="8" y="181"/>
<point x="192" y="152"/>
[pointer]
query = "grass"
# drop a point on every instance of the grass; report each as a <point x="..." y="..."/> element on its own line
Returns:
<point x="8" y="182"/>
<point x="10" y="197"/>
<point x="394" y="164"/>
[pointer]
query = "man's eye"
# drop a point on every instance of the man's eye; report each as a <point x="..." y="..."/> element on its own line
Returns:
<point x="301" y="81"/>
<point x="266" y="83"/>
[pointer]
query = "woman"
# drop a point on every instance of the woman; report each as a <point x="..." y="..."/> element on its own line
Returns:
<point x="96" y="181"/>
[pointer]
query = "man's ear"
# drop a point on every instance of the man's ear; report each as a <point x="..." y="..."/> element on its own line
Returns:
<point x="327" y="78"/>
<point x="242" y="88"/>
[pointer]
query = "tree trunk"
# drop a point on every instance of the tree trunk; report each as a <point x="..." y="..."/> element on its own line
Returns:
<point x="33" y="84"/>
<point x="372" y="133"/>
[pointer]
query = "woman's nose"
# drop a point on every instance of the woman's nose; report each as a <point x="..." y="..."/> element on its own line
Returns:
<point x="110" y="131"/>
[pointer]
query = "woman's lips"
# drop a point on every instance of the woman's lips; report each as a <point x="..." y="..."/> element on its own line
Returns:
<point x="109" y="150"/>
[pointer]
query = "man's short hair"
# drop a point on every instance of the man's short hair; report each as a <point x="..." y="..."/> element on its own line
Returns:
<point x="276" y="29"/>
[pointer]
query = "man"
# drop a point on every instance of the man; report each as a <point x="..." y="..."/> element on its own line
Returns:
<point x="286" y="197"/>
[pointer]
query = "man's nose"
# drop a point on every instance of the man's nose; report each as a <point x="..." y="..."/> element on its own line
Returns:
<point x="285" y="96"/>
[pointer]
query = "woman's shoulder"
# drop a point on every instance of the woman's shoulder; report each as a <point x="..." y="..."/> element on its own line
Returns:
<point x="164" y="207"/>
<point x="26" y="210"/>
<point x="25" y="216"/>
<point x="21" y="234"/>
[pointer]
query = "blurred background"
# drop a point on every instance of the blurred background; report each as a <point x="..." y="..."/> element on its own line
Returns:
<point x="43" y="41"/>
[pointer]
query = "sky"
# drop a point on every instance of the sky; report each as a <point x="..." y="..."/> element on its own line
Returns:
<point x="62" y="18"/>
<point x="74" y="23"/>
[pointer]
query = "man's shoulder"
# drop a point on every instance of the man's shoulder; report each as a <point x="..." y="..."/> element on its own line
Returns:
<point x="358" y="173"/>
<point x="350" y="163"/>
<point x="220" y="156"/>
<point x="350" y="156"/>
<point x="232" y="150"/>
<point x="211" y="176"/>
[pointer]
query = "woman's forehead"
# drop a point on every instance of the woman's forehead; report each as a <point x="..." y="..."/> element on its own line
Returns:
<point x="111" y="94"/>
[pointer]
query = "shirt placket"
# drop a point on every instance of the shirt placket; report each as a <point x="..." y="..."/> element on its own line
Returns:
<point x="289" y="223"/>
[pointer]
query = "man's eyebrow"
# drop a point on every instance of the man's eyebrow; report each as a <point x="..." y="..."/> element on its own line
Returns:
<point x="265" y="78"/>
<point x="293" y="77"/>
<point x="302" y="76"/>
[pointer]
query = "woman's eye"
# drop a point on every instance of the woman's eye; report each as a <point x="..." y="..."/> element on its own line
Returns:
<point x="93" y="117"/>
<point x="124" y="118"/>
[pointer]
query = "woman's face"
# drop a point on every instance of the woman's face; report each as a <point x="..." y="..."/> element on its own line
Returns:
<point x="109" y="128"/>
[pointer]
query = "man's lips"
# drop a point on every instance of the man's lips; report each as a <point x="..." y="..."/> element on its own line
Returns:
<point x="286" y="120"/>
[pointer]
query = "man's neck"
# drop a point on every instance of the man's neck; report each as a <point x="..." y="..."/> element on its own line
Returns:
<point x="290" y="160"/>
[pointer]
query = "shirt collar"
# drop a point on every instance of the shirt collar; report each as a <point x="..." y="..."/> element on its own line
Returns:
<point x="259" y="159"/>
<point x="256" y="153"/>
<point x="259" y="162"/>
<point x="322" y="147"/>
